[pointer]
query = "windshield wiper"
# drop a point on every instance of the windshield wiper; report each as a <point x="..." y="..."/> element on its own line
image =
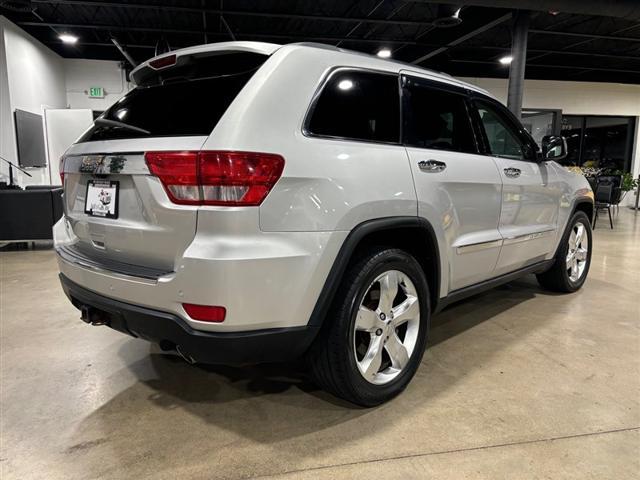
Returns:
<point x="114" y="123"/>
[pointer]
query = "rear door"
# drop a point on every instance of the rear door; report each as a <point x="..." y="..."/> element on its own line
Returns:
<point x="119" y="213"/>
<point x="456" y="186"/>
<point x="530" y="193"/>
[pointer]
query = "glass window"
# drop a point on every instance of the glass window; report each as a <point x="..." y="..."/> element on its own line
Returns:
<point x="358" y="105"/>
<point x="181" y="103"/>
<point x="503" y="140"/>
<point x="437" y="119"/>
<point x="539" y="123"/>
<point x="599" y="142"/>
<point x="571" y="130"/>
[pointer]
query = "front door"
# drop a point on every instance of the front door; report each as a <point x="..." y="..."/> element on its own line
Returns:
<point x="457" y="188"/>
<point x="530" y="192"/>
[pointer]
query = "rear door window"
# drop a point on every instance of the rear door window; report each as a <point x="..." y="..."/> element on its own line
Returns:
<point x="358" y="105"/>
<point x="188" y="100"/>
<point x="436" y="118"/>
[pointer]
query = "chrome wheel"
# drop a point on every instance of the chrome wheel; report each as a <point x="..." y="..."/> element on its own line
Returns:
<point x="386" y="327"/>
<point x="578" y="252"/>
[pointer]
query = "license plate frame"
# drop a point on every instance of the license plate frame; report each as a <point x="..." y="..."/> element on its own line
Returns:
<point x="107" y="199"/>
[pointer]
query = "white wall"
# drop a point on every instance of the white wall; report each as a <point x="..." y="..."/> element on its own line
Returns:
<point x="81" y="74"/>
<point x="576" y="98"/>
<point x="34" y="78"/>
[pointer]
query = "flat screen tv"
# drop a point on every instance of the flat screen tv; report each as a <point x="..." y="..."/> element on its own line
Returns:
<point x="30" y="138"/>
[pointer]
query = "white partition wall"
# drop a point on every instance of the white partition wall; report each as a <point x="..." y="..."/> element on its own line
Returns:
<point x="62" y="128"/>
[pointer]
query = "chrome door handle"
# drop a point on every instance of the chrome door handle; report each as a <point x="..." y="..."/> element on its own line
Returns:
<point x="431" y="166"/>
<point x="512" y="172"/>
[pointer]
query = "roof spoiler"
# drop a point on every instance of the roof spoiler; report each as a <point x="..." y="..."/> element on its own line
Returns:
<point x="176" y="57"/>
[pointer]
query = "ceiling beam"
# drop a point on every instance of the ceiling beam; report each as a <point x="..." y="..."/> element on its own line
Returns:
<point x="295" y="16"/>
<point x="627" y="9"/>
<point x="464" y="38"/>
<point x="471" y="47"/>
<point x="584" y="35"/>
<point x="566" y="67"/>
<point x="320" y="38"/>
<point x="124" y="52"/>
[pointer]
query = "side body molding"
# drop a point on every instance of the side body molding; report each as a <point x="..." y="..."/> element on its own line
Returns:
<point x="359" y="233"/>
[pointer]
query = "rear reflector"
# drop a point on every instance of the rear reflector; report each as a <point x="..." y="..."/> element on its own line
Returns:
<point x="205" y="313"/>
<point x="216" y="177"/>
<point x="163" y="62"/>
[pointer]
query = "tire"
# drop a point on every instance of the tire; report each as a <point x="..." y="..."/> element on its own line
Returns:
<point x="560" y="277"/>
<point x="339" y="358"/>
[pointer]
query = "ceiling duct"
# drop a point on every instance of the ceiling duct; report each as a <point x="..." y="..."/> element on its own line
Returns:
<point x="17" y="5"/>
<point x="447" y="16"/>
<point x="162" y="46"/>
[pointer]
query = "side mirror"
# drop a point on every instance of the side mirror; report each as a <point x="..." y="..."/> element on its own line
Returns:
<point x="554" y="148"/>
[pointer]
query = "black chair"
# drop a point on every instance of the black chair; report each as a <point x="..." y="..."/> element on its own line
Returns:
<point x="593" y="182"/>
<point x="603" y="196"/>
<point x="616" y="182"/>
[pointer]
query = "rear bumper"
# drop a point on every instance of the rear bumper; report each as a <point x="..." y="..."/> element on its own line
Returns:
<point x="229" y="348"/>
<point x="264" y="280"/>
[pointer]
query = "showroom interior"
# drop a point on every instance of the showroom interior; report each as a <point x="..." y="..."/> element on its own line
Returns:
<point x="516" y="381"/>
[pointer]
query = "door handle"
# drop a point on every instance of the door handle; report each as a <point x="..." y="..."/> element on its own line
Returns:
<point x="432" y="166"/>
<point x="512" y="172"/>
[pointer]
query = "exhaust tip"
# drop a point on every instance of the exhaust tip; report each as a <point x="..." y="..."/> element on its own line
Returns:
<point x="185" y="356"/>
<point x="92" y="316"/>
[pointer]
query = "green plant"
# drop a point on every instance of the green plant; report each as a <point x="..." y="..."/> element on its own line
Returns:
<point x="628" y="182"/>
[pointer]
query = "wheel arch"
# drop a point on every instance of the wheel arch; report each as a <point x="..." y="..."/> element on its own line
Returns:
<point x="412" y="234"/>
<point x="585" y="205"/>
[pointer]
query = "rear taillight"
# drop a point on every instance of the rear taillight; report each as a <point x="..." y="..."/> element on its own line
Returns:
<point x="61" y="170"/>
<point x="216" y="177"/>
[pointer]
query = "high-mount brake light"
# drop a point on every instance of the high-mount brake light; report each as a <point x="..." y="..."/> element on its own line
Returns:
<point x="223" y="178"/>
<point x="163" y="62"/>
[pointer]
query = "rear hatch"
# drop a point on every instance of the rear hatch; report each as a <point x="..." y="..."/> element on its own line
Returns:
<point x="120" y="213"/>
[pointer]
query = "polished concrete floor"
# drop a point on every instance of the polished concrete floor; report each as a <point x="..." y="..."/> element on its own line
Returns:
<point x="518" y="383"/>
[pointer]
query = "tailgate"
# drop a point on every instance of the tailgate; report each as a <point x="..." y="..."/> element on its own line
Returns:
<point x="149" y="231"/>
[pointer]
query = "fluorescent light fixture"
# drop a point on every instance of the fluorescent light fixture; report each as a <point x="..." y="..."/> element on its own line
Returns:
<point x="345" y="85"/>
<point x="384" y="53"/>
<point x="68" y="38"/>
<point x="506" y="60"/>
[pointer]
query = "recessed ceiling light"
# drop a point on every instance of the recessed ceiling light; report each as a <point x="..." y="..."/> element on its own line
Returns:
<point x="68" y="38"/>
<point x="506" y="60"/>
<point x="384" y="53"/>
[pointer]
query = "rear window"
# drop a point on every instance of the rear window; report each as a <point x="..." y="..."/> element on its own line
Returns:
<point x="358" y="105"/>
<point x="188" y="99"/>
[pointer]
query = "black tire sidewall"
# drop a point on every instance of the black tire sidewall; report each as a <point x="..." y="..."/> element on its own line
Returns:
<point x="391" y="259"/>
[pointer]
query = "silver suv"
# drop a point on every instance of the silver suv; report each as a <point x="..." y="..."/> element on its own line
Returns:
<point x="250" y="202"/>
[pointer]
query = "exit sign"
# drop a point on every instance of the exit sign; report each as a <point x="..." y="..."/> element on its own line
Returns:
<point x="96" y="92"/>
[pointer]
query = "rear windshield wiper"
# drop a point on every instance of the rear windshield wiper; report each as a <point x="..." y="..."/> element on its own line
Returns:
<point x="114" y="123"/>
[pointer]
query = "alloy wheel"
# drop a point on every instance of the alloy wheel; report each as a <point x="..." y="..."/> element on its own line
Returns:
<point x="578" y="253"/>
<point x="386" y="327"/>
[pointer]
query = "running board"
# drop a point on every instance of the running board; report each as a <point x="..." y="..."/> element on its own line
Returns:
<point x="471" y="290"/>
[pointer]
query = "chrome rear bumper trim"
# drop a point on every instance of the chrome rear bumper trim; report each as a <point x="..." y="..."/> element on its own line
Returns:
<point x="72" y="255"/>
